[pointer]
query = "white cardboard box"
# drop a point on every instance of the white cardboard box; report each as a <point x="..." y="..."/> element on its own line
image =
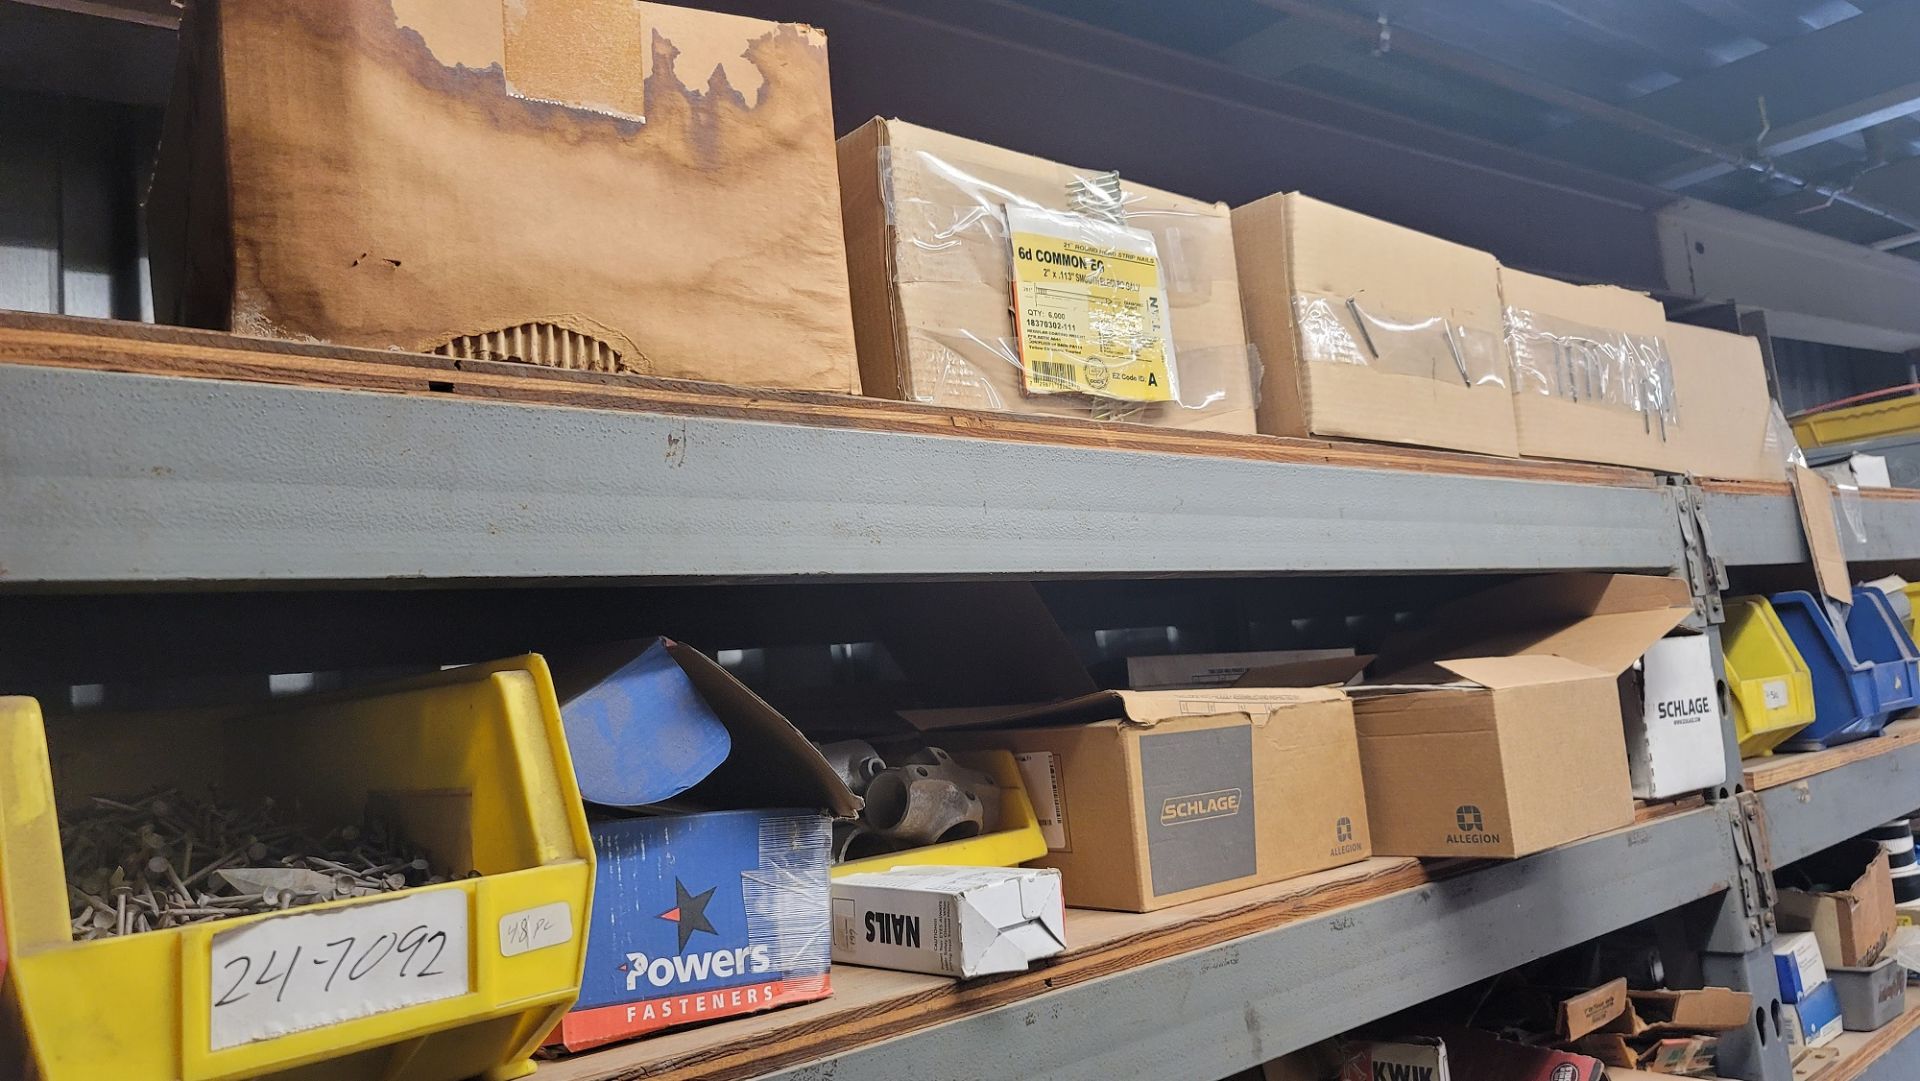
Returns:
<point x="1673" y="729"/>
<point x="1798" y="961"/>
<point x="949" y="921"/>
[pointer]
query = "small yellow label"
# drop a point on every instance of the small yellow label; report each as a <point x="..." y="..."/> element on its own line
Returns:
<point x="1089" y="307"/>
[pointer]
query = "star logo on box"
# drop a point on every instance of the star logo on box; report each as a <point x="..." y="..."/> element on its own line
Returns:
<point x="689" y="913"/>
<point x="689" y="916"/>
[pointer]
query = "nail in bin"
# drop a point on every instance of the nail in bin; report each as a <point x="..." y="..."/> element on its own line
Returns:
<point x="1771" y="687"/>
<point x="1855" y="686"/>
<point x="1797" y="962"/>
<point x="714" y="838"/>
<point x="470" y="764"/>
<point x="1870" y="997"/>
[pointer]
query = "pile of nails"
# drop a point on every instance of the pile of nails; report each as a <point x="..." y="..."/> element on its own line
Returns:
<point x="168" y="860"/>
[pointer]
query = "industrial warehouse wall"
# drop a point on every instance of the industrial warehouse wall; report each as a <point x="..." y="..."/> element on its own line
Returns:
<point x="70" y="185"/>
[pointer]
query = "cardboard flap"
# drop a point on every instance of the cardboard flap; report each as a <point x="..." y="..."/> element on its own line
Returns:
<point x="1143" y="708"/>
<point x="1605" y="621"/>
<point x="1316" y="672"/>
<point x="1522" y="671"/>
<point x="1704" y="1009"/>
<point x="768" y="764"/>
<point x="1590" y="1011"/>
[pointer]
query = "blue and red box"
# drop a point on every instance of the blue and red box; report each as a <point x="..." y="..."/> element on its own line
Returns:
<point x="714" y="900"/>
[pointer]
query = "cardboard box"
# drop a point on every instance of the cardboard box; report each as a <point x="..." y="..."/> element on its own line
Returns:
<point x="1179" y="671"/>
<point x="1726" y="413"/>
<point x="1368" y="330"/>
<point x="1812" y="1022"/>
<point x="681" y="929"/>
<point x="1473" y="702"/>
<point x="679" y="934"/>
<point x="1853" y="924"/>
<point x="949" y="921"/>
<point x="1567" y="1015"/>
<point x="1590" y="375"/>
<point x="1152" y="798"/>
<point x="1693" y="1010"/>
<point x="932" y="268"/>
<point x="1797" y="962"/>
<point x="1870" y="997"/>
<point x="1672" y="708"/>
<point x="1415" y="1058"/>
<point x="577" y="183"/>
<point x="1481" y="1056"/>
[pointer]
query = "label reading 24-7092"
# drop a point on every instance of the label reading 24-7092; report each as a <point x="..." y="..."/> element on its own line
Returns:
<point x="307" y="970"/>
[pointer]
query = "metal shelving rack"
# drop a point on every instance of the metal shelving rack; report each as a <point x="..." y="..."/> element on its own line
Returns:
<point x="209" y="484"/>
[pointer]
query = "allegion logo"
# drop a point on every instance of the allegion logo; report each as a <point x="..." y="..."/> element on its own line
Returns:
<point x="1343" y="842"/>
<point x="1472" y="827"/>
<point x="1179" y="810"/>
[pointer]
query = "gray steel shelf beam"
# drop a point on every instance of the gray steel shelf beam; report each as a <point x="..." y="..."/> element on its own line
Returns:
<point x="1757" y="529"/>
<point x="116" y="478"/>
<point x="1806" y="816"/>
<point x="1215" y="1011"/>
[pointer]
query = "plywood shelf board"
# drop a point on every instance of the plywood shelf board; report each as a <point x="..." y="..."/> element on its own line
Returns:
<point x="1771" y="771"/>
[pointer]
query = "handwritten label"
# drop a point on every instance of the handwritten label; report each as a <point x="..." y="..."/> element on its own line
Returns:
<point x="1773" y="693"/>
<point x="299" y="972"/>
<point x="535" y="929"/>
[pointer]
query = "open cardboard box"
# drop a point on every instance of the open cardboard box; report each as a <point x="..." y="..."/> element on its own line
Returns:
<point x="1497" y="728"/>
<point x="1854" y="924"/>
<point x="1160" y="797"/>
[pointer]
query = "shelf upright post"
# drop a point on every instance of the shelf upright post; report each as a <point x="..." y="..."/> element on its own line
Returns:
<point x="1735" y="928"/>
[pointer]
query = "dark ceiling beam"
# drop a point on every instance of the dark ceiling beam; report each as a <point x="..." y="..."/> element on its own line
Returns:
<point x="1600" y="113"/>
<point x="1749" y="19"/>
<point x="1824" y="72"/>
<point x="1780" y="140"/>
<point x="1643" y="27"/>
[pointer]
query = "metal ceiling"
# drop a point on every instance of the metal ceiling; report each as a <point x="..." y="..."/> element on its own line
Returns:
<point x="1803" y="111"/>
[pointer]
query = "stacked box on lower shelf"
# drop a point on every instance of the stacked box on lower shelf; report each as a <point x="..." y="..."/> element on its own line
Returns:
<point x="713" y="831"/>
<point x="470" y="764"/>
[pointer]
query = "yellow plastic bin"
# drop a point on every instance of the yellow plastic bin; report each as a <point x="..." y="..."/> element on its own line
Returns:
<point x="1016" y="841"/>
<point x="1912" y="591"/>
<point x="471" y="764"/>
<point x="1771" y="685"/>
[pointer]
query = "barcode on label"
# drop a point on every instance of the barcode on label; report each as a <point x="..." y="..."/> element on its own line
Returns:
<point x="1055" y="371"/>
<point x="1040" y="774"/>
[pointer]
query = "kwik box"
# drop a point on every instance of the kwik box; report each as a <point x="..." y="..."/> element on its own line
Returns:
<point x="1497" y="728"/>
<point x="715" y="902"/>
<point x="1416" y="1058"/>
<point x="1152" y="798"/>
<point x="949" y="921"/>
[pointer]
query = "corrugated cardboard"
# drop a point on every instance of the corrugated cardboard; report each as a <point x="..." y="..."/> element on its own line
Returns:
<point x="1171" y="796"/>
<point x="1490" y="688"/>
<point x="578" y="183"/>
<point x="1174" y="671"/>
<point x="1291" y="246"/>
<point x="1813" y="495"/>
<point x="1591" y="1010"/>
<point x="1701" y="1009"/>
<point x="1855" y="924"/>
<point x="949" y="921"/>
<point x="1562" y="415"/>
<point x="1720" y="387"/>
<point x="930" y="278"/>
<point x="1412" y="1059"/>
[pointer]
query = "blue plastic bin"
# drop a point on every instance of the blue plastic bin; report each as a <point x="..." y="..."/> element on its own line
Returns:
<point x="1879" y="637"/>
<point x="1846" y="689"/>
